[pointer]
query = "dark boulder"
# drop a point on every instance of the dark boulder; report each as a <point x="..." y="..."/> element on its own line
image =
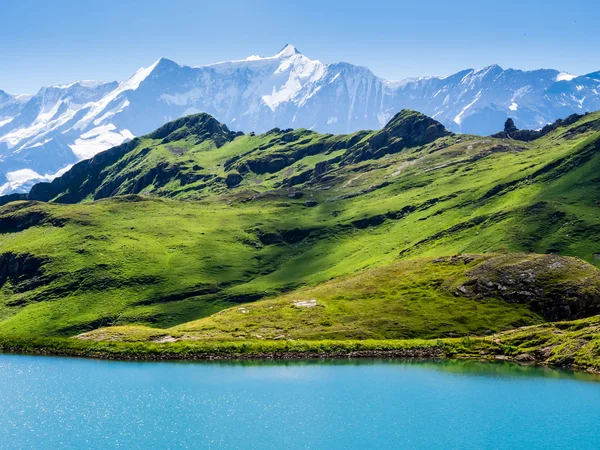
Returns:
<point x="509" y="127"/>
<point x="295" y="194"/>
<point x="233" y="179"/>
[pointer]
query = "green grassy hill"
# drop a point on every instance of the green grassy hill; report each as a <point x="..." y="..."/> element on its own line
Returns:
<point x="173" y="227"/>
<point x="416" y="298"/>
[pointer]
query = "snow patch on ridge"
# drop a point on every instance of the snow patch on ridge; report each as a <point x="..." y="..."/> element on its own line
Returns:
<point x="99" y="139"/>
<point x="286" y="52"/>
<point x="459" y="118"/>
<point x="23" y="98"/>
<point x="564" y="76"/>
<point x="130" y="84"/>
<point x="22" y="177"/>
<point x="44" y="123"/>
<point x="90" y="84"/>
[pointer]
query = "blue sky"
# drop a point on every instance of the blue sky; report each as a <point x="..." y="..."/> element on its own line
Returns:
<point x="46" y="42"/>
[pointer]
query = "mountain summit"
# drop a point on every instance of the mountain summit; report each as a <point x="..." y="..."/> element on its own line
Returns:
<point x="287" y="51"/>
<point x="42" y="135"/>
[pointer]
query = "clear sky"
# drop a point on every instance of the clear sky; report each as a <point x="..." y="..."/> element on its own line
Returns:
<point x="45" y="42"/>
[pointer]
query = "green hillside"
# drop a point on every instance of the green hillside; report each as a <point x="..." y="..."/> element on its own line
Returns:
<point x="416" y="298"/>
<point x="173" y="227"/>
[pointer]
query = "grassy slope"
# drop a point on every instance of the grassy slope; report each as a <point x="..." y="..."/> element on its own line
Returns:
<point x="164" y="262"/>
<point x="414" y="298"/>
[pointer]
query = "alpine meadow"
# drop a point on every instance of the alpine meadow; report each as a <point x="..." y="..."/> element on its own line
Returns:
<point x="195" y="241"/>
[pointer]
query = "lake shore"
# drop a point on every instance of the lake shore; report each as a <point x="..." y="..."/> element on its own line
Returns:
<point x="480" y="348"/>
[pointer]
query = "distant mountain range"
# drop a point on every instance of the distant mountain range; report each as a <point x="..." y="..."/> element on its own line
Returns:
<point x="42" y="135"/>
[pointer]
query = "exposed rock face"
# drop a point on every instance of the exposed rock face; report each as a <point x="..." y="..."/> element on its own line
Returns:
<point x="512" y="132"/>
<point x="509" y="127"/>
<point x="200" y="126"/>
<point x="305" y="303"/>
<point x="21" y="269"/>
<point x="233" y="179"/>
<point x="11" y="223"/>
<point x="414" y="128"/>
<point x="406" y="129"/>
<point x="558" y="288"/>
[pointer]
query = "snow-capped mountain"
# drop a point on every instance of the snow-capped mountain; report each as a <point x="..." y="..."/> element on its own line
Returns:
<point x="10" y="105"/>
<point x="43" y="134"/>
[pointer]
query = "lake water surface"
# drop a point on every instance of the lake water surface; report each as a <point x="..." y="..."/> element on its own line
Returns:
<point x="48" y="402"/>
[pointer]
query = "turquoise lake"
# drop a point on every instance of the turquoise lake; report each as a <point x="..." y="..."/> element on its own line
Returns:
<point x="48" y="402"/>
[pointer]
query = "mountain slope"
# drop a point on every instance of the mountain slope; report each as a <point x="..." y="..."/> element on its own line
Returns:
<point x="196" y="155"/>
<point x="61" y="125"/>
<point x="424" y="298"/>
<point x="232" y="218"/>
<point x="10" y="106"/>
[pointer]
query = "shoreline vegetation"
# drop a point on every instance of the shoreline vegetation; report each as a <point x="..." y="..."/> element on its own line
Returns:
<point x="570" y="345"/>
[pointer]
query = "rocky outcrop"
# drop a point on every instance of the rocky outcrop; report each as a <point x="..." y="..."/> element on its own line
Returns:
<point x="199" y="126"/>
<point x="406" y="129"/>
<point x="233" y="179"/>
<point x="556" y="287"/>
<point x="303" y="145"/>
<point x="512" y="132"/>
<point x="24" y="270"/>
<point x="267" y="164"/>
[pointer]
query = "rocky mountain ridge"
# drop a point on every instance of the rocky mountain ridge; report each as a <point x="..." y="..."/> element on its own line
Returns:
<point x="44" y="134"/>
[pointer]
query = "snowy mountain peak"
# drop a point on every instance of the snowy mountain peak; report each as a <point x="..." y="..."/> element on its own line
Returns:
<point x="165" y="63"/>
<point x="133" y="82"/>
<point x="18" y="98"/>
<point x="287" y="51"/>
<point x="491" y="69"/>
<point x="42" y="134"/>
<point x="5" y="96"/>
